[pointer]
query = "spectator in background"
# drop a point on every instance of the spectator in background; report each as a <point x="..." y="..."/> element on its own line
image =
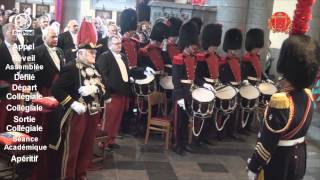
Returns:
<point x="100" y="27"/>
<point x="112" y="31"/>
<point x="43" y="23"/>
<point x="67" y="41"/>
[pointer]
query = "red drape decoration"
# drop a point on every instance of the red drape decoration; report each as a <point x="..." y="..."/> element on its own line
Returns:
<point x="58" y="10"/>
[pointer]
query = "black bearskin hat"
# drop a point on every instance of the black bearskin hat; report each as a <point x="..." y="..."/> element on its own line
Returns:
<point x="299" y="60"/>
<point x="174" y="26"/>
<point x="198" y="23"/>
<point x="188" y="35"/>
<point x="128" y="20"/>
<point x="211" y="35"/>
<point x="232" y="39"/>
<point x="254" y="39"/>
<point x="159" y="32"/>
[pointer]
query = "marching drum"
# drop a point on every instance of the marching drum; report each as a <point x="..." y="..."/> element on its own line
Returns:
<point x="266" y="90"/>
<point x="226" y="98"/>
<point x="144" y="87"/>
<point x="226" y="102"/>
<point x="249" y="96"/>
<point x="166" y="83"/>
<point x="202" y="105"/>
<point x="249" y="100"/>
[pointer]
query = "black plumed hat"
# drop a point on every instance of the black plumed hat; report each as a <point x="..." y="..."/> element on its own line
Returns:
<point x="254" y="39"/>
<point x="159" y="32"/>
<point x="211" y="35"/>
<point x="188" y="35"/>
<point x="299" y="60"/>
<point x="128" y="20"/>
<point x="232" y="39"/>
<point x="174" y="26"/>
<point x="198" y="23"/>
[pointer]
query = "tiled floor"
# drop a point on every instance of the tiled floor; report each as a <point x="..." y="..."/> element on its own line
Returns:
<point x="224" y="161"/>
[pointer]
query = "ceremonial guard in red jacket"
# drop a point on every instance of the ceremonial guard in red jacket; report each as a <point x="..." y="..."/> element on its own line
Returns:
<point x="208" y="69"/>
<point x="79" y="90"/>
<point x="130" y="39"/>
<point x="151" y="56"/>
<point x="251" y="68"/>
<point x="230" y="74"/>
<point x="280" y="152"/>
<point x="170" y="49"/>
<point x="130" y="48"/>
<point x="183" y="76"/>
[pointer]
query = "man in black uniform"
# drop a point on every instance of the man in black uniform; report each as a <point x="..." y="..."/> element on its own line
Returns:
<point x="51" y="58"/>
<point x="183" y="75"/>
<point x="79" y="90"/>
<point x="114" y="69"/>
<point x="280" y="153"/>
<point x="67" y="41"/>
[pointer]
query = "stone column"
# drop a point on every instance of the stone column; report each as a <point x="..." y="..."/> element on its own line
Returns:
<point x="314" y="30"/>
<point x="71" y="9"/>
<point x="259" y="11"/>
<point x="231" y="13"/>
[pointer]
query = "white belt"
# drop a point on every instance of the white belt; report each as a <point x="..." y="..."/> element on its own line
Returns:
<point x="210" y="80"/>
<point x="292" y="142"/>
<point x="168" y="65"/>
<point x="253" y="78"/>
<point x="158" y="72"/>
<point x="186" y="81"/>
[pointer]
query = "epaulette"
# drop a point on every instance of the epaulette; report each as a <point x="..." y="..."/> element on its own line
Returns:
<point x="143" y="51"/>
<point x="136" y="40"/>
<point x="178" y="59"/>
<point x="246" y="57"/>
<point x="201" y="56"/>
<point x="279" y="101"/>
<point x="222" y="61"/>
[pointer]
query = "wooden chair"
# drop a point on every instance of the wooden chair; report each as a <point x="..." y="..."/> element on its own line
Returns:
<point x="158" y="123"/>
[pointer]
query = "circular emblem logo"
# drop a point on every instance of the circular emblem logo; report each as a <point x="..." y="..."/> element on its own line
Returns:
<point x="280" y="22"/>
<point x="23" y="21"/>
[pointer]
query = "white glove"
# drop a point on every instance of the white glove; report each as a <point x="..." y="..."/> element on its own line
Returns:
<point x="150" y="70"/>
<point x="208" y="86"/>
<point x="270" y="81"/>
<point x="245" y="82"/>
<point x="131" y="79"/>
<point x="87" y="90"/>
<point x="252" y="175"/>
<point x="108" y="100"/>
<point x="182" y="104"/>
<point x="79" y="108"/>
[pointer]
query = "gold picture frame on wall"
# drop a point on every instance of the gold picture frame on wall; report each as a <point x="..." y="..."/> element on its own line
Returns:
<point x="42" y="9"/>
<point x="104" y="14"/>
<point x="23" y="6"/>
